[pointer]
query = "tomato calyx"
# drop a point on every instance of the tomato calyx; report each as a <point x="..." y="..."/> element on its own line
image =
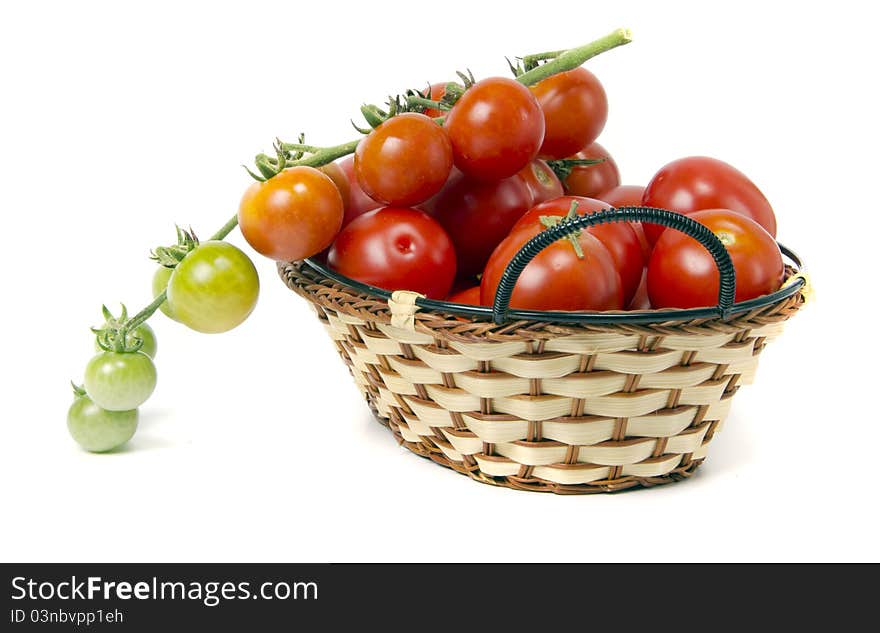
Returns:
<point x="117" y="335"/>
<point x="548" y="221"/>
<point x="728" y="239"/>
<point x="562" y="167"/>
<point x="78" y="390"/>
<point x="171" y="256"/>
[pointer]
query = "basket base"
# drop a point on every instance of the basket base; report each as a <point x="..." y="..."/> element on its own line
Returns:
<point x="433" y="453"/>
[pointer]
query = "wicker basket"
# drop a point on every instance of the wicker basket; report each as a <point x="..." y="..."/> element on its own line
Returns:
<point x="561" y="402"/>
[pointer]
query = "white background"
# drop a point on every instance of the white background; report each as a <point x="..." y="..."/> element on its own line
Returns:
<point x="119" y="119"/>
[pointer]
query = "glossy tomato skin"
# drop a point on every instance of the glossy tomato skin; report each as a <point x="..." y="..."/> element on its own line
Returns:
<point x="629" y="196"/>
<point x="334" y="172"/>
<point x="575" y="111"/>
<point x="496" y="128"/>
<point x="98" y="430"/>
<point x="640" y="300"/>
<point x="436" y="93"/>
<point x="470" y="296"/>
<point x="159" y="284"/>
<point x="291" y="216"/>
<point x="214" y="288"/>
<point x="699" y="182"/>
<point x="404" y="161"/>
<point x="478" y="214"/>
<point x="120" y="381"/>
<point x="623" y="196"/>
<point x="682" y="274"/>
<point x="396" y="249"/>
<point x="358" y="201"/>
<point x="556" y="279"/>
<point x="591" y="180"/>
<point x="542" y="181"/>
<point x="618" y="237"/>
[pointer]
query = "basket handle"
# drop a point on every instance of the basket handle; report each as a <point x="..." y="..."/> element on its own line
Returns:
<point x="651" y="215"/>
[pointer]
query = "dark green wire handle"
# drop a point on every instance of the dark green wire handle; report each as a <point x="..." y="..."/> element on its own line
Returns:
<point x="669" y="219"/>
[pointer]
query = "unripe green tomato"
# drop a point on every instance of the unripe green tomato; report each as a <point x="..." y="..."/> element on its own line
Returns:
<point x="98" y="430"/>
<point x="214" y="288"/>
<point x="160" y="283"/>
<point x="120" y="381"/>
<point x="146" y="334"/>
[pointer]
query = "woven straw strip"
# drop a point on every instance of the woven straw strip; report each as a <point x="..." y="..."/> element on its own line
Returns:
<point x="591" y="343"/>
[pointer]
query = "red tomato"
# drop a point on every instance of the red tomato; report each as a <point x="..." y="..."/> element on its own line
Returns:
<point x="293" y="215"/>
<point x="496" y="128"/>
<point x="436" y="93"/>
<point x="618" y="237"/>
<point x="404" y="161"/>
<point x="640" y="300"/>
<point x="396" y="249"/>
<point x="335" y="173"/>
<point x="591" y="180"/>
<point x="556" y="279"/>
<point x="477" y="215"/>
<point x="623" y="196"/>
<point x="698" y="182"/>
<point x="629" y="196"/>
<point x="541" y="181"/>
<point x="682" y="274"/>
<point x="358" y="202"/>
<point x="471" y="296"/>
<point x="575" y="110"/>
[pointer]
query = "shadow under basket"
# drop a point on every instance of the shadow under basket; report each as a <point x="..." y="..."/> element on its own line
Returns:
<point x="561" y="402"/>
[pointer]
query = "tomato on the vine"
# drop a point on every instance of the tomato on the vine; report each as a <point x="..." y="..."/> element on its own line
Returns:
<point x="358" y="201"/>
<point x="436" y="93"/>
<point x="629" y="196"/>
<point x="618" y="237"/>
<point x="478" y="214"/>
<point x="698" y="182"/>
<point x="404" y="161"/>
<point x="591" y="180"/>
<point x="98" y="430"/>
<point x="396" y="249"/>
<point x="335" y="173"/>
<point x="541" y="181"/>
<point x="292" y="215"/>
<point x="159" y="285"/>
<point x="556" y="279"/>
<point x="575" y="110"/>
<point x="682" y="274"/>
<point x="496" y="128"/>
<point x="120" y="381"/>
<point x="214" y="288"/>
<point x="470" y="296"/>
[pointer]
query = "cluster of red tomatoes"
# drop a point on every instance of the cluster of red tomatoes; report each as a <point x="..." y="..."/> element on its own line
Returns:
<point x="440" y="206"/>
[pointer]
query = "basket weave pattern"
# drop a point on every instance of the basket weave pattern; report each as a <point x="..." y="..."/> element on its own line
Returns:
<point x="537" y="406"/>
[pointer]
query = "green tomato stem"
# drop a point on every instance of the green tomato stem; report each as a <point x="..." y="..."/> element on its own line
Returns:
<point x="427" y="103"/>
<point x="326" y="155"/>
<point x="574" y="57"/>
<point x="531" y="61"/>
<point x="226" y="229"/>
<point x="147" y="312"/>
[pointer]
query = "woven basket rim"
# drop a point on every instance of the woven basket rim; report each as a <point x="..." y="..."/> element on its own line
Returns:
<point x="789" y="288"/>
<point x="307" y="279"/>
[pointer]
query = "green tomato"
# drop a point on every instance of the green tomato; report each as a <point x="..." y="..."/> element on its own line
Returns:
<point x="160" y="283"/>
<point x="120" y="381"/>
<point x="146" y="334"/>
<point x="98" y="430"/>
<point x="214" y="288"/>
